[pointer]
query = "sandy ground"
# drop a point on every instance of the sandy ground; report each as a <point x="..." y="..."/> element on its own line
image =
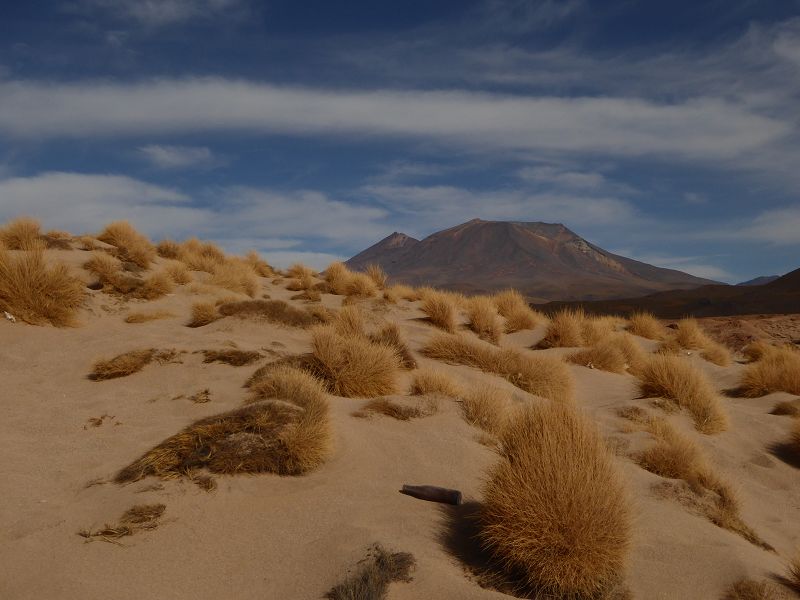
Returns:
<point x="265" y="536"/>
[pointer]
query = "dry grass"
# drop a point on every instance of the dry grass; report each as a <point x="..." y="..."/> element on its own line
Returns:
<point x="544" y="376"/>
<point x="605" y="356"/>
<point x="675" y="456"/>
<point x="778" y="370"/>
<point x="349" y="321"/>
<point x="564" y="330"/>
<point x="353" y="366"/>
<point x="235" y="277"/>
<point x="793" y="569"/>
<point x="128" y="363"/>
<point x="635" y="356"/>
<point x="20" y="234"/>
<point x="378" y="276"/>
<point x="178" y="272"/>
<point x="400" y="292"/>
<point x="201" y="256"/>
<point x="311" y="295"/>
<point x="430" y="382"/>
<point x="144" y="317"/>
<point x="169" y="249"/>
<point x="646" y="325"/>
<point x="556" y="511"/>
<point x="688" y="334"/>
<point x="513" y="306"/>
<point x="716" y="353"/>
<point x="137" y="518"/>
<point x="203" y="313"/>
<point x="155" y="286"/>
<point x="273" y="311"/>
<point x="130" y="245"/>
<point x="231" y="356"/>
<point x="36" y="292"/>
<point x="676" y="380"/>
<point x="756" y="350"/>
<point x="595" y="330"/>
<point x="440" y="310"/>
<point x="263" y="437"/>
<point x="482" y="318"/>
<point x="401" y="412"/>
<point x="303" y="283"/>
<point x="390" y="335"/>
<point x="749" y="589"/>
<point x="285" y="382"/>
<point x="337" y="276"/>
<point x="375" y="573"/>
<point x="57" y="240"/>
<point x="787" y="408"/>
<point x="259" y="266"/>
<point x="104" y="266"/>
<point x="361" y="286"/>
<point x="487" y="408"/>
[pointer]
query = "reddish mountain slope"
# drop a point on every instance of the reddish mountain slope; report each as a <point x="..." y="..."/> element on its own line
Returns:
<point x="543" y="260"/>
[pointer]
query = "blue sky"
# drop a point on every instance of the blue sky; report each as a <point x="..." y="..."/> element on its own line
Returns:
<point x="668" y="132"/>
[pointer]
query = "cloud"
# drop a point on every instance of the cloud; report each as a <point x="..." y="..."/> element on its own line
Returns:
<point x="160" y="13"/>
<point x="697" y="129"/>
<point x="779" y="226"/>
<point x="694" y="265"/>
<point x="179" y="157"/>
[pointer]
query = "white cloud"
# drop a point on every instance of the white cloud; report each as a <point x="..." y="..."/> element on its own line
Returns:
<point x="701" y="128"/>
<point x="778" y="226"/>
<point x="178" y="157"/>
<point x="693" y="265"/>
<point x="159" y="13"/>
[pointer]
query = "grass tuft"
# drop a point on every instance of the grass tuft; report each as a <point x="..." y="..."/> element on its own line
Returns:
<point x="605" y="356"/>
<point x="373" y="576"/>
<point x="645" y="325"/>
<point x="440" y="310"/>
<point x="273" y="311"/>
<point x="482" y="318"/>
<point x="389" y="335"/>
<point x="131" y="246"/>
<point x="401" y="412"/>
<point x="749" y="589"/>
<point x="778" y="370"/>
<point x="233" y="357"/>
<point x="128" y="363"/>
<point x="20" y="234"/>
<point x="564" y="330"/>
<point x="487" y="408"/>
<point x="144" y="317"/>
<point x="203" y="313"/>
<point x="429" y="382"/>
<point x="378" y="276"/>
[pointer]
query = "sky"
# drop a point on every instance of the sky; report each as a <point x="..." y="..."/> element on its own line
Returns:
<point x="666" y="132"/>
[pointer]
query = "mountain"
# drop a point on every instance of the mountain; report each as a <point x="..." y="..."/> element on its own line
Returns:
<point x="760" y="280"/>
<point x="545" y="261"/>
<point x="781" y="296"/>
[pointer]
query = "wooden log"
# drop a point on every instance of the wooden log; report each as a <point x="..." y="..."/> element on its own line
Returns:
<point x="432" y="493"/>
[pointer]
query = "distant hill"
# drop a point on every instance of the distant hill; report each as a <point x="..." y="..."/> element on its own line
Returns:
<point x="760" y="280"/>
<point x="544" y="261"/>
<point x="780" y="296"/>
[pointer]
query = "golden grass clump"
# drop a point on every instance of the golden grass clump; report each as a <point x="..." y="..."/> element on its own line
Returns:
<point x="354" y="366"/>
<point x="201" y="256"/>
<point x="756" y="349"/>
<point x="38" y="293"/>
<point x="286" y="382"/>
<point x="203" y="313"/>
<point x="349" y="321"/>
<point x="688" y="334"/>
<point x="303" y="282"/>
<point x="390" y="335"/>
<point x="635" y="356"/>
<point x="716" y="353"/>
<point x="273" y="311"/>
<point x="360" y="286"/>
<point x="598" y="329"/>
<point x="430" y="381"/>
<point x="20" y="234"/>
<point x="155" y="286"/>
<point x="131" y="246"/>
<point x="440" y="310"/>
<point x="674" y="379"/>
<point x="122" y="365"/>
<point x="378" y="276"/>
<point x="749" y="589"/>
<point x="793" y="569"/>
<point x="564" y="330"/>
<point x="402" y="292"/>
<point x="487" y="408"/>
<point x="104" y="266"/>
<point x="169" y="249"/>
<point x="259" y="266"/>
<point x="144" y="317"/>
<point x="395" y="410"/>
<point x="778" y="370"/>
<point x="178" y="272"/>
<point x="375" y="573"/>
<point x="646" y="325"/>
<point x="263" y="437"/>
<point x="141" y="517"/>
<point x="556" y="510"/>
<point x="604" y="355"/>
<point x="482" y="318"/>
<point x="544" y="376"/>
<point x="337" y="275"/>
<point x="231" y="356"/>
<point x="235" y="277"/>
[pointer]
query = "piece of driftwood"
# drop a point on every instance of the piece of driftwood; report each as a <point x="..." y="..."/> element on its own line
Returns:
<point x="432" y="493"/>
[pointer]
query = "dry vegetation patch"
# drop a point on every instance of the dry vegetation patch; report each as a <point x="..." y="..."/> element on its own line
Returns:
<point x="676" y="380"/>
<point x="374" y="574"/>
<point x="777" y="370"/>
<point x="544" y="376"/>
<point x="36" y="292"/>
<point x="556" y="510"/>
<point x="487" y="408"/>
<point x="645" y="325"/>
<point x="395" y="410"/>
<point x="230" y="356"/>
<point x="286" y="382"/>
<point x="564" y="330"/>
<point x="518" y="314"/>
<point x="482" y="318"/>
<point x="749" y="589"/>
<point x="144" y="317"/>
<point x="429" y="381"/>
<point x="20" y="234"/>
<point x="605" y="356"/>
<point x="141" y="517"/>
<point x="128" y="363"/>
<point x="389" y="335"/>
<point x="131" y="246"/>
<point x="378" y="276"/>
<point x="273" y="311"/>
<point x="203" y="313"/>
<point x="440" y="311"/>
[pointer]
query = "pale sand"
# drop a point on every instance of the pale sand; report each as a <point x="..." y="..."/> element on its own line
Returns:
<point x="265" y="536"/>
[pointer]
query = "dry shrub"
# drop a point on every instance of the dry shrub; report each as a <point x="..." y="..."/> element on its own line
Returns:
<point x="756" y="350"/>
<point x="786" y="407"/>
<point x="155" y="286"/>
<point x="360" y="286"/>
<point x="749" y="589"/>
<point x="259" y="266"/>
<point x="299" y="271"/>
<point x="144" y="317"/>
<point x="104" y="266"/>
<point x="440" y="310"/>
<point x="598" y="329"/>
<point x="793" y="569"/>
<point x="264" y="437"/>
<point x="401" y="412"/>
<point x="337" y="275"/>
<point x="87" y="242"/>
<point x="676" y="380"/>
<point x="123" y="364"/>
<point x="521" y="318"/>
<point x="311" y="295"/>
<point x="57" y="239"/>
<point x="203" y="313"/>
<point x="286" y="382"/>
<point x="605" y="356"/>
<point x="131" y="246"/>
<point x="689" y="335"/>
<point x="375" y="573"/>
<point x="235" y="277"/>
<point x="564" y="330"/>
<point x="178" y="272"/>
<point x="38" y="293"/>
<point x="635" y="356"/>
<point x="646" y="325"/>
<point x="169" y="249"/>
<point x="778" y="370"/>
<point x="675" y="456"/>
<point x="429" y="381"/>
<point x="669" y="347"/>
<point x="716" y="353"/>
<point x="487" y="408"/>
<point x="201" y="256"/>
<point x="544" y="376"/>
<point x="304" y="282"/>
<point x="274" y="311"/>
<point x="556" y="512"/>
<point x="508" y="301"/>
<point x="378" y="276"/>
<point x="400" y="291"/>
<point x="482" y="318"/>
<point x="349" y="321"/>
<point x="20" y="234"/>
<point x="389" y="335"/>
<point x="353" y="366"/>
<point x="230" y="356"/>
<point x="137" y="518"/>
